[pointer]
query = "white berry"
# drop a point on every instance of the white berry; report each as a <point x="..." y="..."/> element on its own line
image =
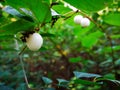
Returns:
<point x="85" y="22"/>
<point x="77" y="19"/>
<point x="34" y="41"/>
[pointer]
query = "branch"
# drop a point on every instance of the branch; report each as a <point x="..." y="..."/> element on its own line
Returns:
<point x="22" y="65"/>
<point x="24" y="72"/>
<point x="22" y="50"/>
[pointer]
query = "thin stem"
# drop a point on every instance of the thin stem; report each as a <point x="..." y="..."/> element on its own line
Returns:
<point x="22" y="50"/>
<point x="22" y="65"/>
<point x="24" y="72"/>
<point x="98" y="25"/>
<point x="68" y="13"/>
<point x="71" y="12"/>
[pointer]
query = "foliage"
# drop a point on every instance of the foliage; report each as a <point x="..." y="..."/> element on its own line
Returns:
<point x="72" y="57"/>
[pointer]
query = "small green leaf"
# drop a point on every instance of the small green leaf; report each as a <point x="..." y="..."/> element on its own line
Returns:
<point x="108" y="49"/>
<point x="47" y="35"/>
<point x="116" y="36"/>
<point x="16" y="13"/>
<point x="117" y="62"/>
<point x="16" y="3"/>
<point x="61" y="9"/>
<point x="84" y="82"/>
<point x="12" y="11"/>
<point x="14" y="27"/>
<point x="113" y="83"/>
<point x="109" y="76"/>
<point x="91" y="39"/>
<point x="75" y="60"/>
<point x="85" y="75"/>
<point x="62" y="82"/>
<point x="47" y="80"/>
<point x="112" y="19"/>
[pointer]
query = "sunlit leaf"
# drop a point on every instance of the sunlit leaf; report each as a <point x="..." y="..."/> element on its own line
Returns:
<point x="91" y="39"/>
<point x="84" y="82"/>
<point x="14" y="27"/>
<point x="40" y="10"/>
<point x="75" y="60"/>
<point x="112" y="19"/>
<point x="89" y="5"/>
<point x="47" y="80"/>
<point x="85" y="75"/>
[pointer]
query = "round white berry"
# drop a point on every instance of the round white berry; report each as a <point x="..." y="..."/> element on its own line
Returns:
<point x="85" y="22"/>
<point x="34" y="41"/>
<point x="77" y="19"/>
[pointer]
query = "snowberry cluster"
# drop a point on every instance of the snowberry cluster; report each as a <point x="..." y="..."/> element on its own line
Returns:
<point x="34" y="41"/>
<point x="83" y="21"/>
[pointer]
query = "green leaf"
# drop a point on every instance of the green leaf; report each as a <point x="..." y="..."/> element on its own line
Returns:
<point x="117" y="62"/>
<point x="112" y="19"/>
<point x="54" y="13"/>
<point x="47" y="1"/>
<point x="6" y="37"/>
<point x="5" y="88"/>
<point x="5" y="74"/>
<point x="47" y="35"/>
<point x="16" y="3"/>
<point x="43" y="49"/>
<point x="15" y="12"/>
<point x="14" y="27"/>
<point x="109" y="76"/>
<point x="91" y="39"/>
<point x="81" y="32"/>
<point x="61" y="9"/>
<point x="62" y="82"/>
<point x="3" y="21"/>
<point x="12" y="11"/>
<point x="40" y="10"/>
<point x="75" y="60"/>
<point x="84" y="82"/>
<point x="108" y="49"/>
<point x="85" y="75"/>
<point x="116" y="36"/>
<point x="47" y="80"/>
<point x="113" y="83"/>
<point x="89" y="5"/>
<point x="116" y="82"/>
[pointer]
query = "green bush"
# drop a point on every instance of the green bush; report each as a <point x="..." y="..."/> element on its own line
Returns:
<point x="82" y="56"/>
